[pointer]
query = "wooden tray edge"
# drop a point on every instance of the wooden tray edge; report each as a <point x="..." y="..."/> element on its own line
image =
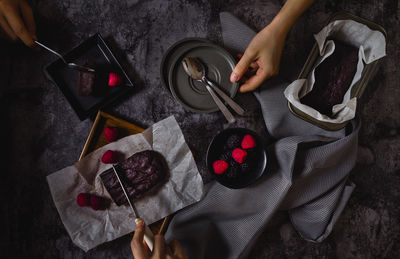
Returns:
<point x="90" y="137"/>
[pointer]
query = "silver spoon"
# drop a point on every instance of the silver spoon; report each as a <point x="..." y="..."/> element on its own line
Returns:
<point x="69" y="64"/>
<point x="196" y="70"/>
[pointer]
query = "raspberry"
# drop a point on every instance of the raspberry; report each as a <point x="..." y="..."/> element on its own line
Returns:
<point x="233" y="141"/>
<point x="96" y="202"/>
<point x="114" y="79"/>
<point x="110" y="133"/>
<point x="83" y="199"/>
<point x="239" y="155"/>
<point x="109" y="157"/>
<point x="220" y="166"/>
<point x="248" y="142"/>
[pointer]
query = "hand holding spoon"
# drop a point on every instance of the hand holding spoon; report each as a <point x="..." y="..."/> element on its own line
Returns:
<point x="69" y="64"/>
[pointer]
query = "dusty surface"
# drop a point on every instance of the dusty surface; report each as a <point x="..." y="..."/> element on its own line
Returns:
<point x="41" y="133"/>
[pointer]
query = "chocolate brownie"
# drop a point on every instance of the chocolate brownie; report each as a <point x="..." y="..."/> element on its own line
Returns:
<point x="139" y="173"/>
<point x="332" y="79"/>
<point x="85" y="82"/>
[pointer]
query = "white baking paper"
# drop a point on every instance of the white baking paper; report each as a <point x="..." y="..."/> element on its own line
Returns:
<point x="371" y="45"/>
<point x="88" y="228"/>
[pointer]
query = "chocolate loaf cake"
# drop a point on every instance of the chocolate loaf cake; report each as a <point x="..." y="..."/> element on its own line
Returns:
<point x="332" y="79"/>
<point x="139" y="173"/>
<point x="85" y="82"/>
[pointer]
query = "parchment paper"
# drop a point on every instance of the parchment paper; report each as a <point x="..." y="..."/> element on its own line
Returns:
<point x="88" y="228"/>
<point x="371" y="45"/>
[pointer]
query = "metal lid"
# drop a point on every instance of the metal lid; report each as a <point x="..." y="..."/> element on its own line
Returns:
<point x="192" y="94"/>
<point x="171" y="53"/>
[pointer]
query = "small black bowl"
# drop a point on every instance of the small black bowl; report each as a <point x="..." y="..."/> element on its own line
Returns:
<point x="216" y="148"/>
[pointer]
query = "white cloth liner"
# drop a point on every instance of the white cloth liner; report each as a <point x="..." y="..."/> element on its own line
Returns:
<point x="88" y="228"/>
<point x="371" y="45"/>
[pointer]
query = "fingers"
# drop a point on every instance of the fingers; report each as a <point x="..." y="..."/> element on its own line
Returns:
<point x="242" y="66"/>
<point x="255" y="81"/>
<point x="177" y="250"/>
<point x="253" y="65"/>
<point x="7" y="29"/>
<point x="13" y="17"/>
<point x="159" y="246"/>
<point x="27" y="15"/>
<point x="161" y="250"/>
<point x="137" y="247"/>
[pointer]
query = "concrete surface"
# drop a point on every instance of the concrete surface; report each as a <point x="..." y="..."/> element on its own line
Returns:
<point x="41" y="133"/>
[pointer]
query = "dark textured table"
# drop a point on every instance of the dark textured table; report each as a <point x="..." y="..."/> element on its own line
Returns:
<point x="41" y="133"/>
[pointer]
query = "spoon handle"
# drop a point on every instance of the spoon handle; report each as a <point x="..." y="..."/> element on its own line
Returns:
<point x="239" y="110"/>
<point x="51" y="50"/>
<point x="81" y="68"/>
<point x="228" y="115"/>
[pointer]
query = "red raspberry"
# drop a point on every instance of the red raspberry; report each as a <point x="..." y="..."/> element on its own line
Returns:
<point x="248" y="142"/>
<point x="83" y="199"/>
<point x="109" y="157"/>
<point x="114" y="79"/>
<point x="110" y="133"/>
<point x="96" y="202"/>
<point x="220" y="166"/>
<point x="239" y="155"/>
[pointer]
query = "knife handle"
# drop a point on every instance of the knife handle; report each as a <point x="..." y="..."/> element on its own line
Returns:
<point x="239" y="110"/>
<point x="228" y="115"/>
<point x="148" y="235"/>
<point x="149" y="238"/>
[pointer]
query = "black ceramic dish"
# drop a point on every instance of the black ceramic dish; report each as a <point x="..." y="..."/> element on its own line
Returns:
<point x="96" y="51"/>
<point x="216" y="147"/>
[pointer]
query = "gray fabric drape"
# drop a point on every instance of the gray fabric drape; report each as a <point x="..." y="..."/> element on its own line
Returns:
<point x="307" y="175"/>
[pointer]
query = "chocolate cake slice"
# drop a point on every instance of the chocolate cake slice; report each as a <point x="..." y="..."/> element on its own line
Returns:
<point x="139" y="173"/>
<point x="333" y="78"/>
<point x="85" y="82"/>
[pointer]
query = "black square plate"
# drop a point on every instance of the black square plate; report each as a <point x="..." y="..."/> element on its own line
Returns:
<point x="95" y="51"/>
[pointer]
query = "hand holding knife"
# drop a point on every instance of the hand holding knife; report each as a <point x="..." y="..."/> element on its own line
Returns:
<point x="148" y="235"/>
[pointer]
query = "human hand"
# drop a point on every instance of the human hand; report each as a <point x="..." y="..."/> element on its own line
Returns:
<point x="17" y="22"/>
<point x="161" y="250"/>
<point x="261" y="59"/>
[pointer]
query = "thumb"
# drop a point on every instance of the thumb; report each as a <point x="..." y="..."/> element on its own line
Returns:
<point x="241" y="67"/>
<point x="139" y="232"/>
<point x="137" y="247"/>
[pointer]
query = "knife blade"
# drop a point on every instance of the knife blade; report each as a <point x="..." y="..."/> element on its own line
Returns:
<point x="148" y="234"/>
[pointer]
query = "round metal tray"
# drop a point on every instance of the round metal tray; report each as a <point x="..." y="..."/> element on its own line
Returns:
<point x="192" y="94"/>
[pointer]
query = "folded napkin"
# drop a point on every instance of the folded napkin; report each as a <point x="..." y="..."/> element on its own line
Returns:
<point x="306" y="174"/>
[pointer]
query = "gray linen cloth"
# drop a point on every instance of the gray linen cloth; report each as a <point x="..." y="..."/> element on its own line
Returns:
<point x="307" y="175"/>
